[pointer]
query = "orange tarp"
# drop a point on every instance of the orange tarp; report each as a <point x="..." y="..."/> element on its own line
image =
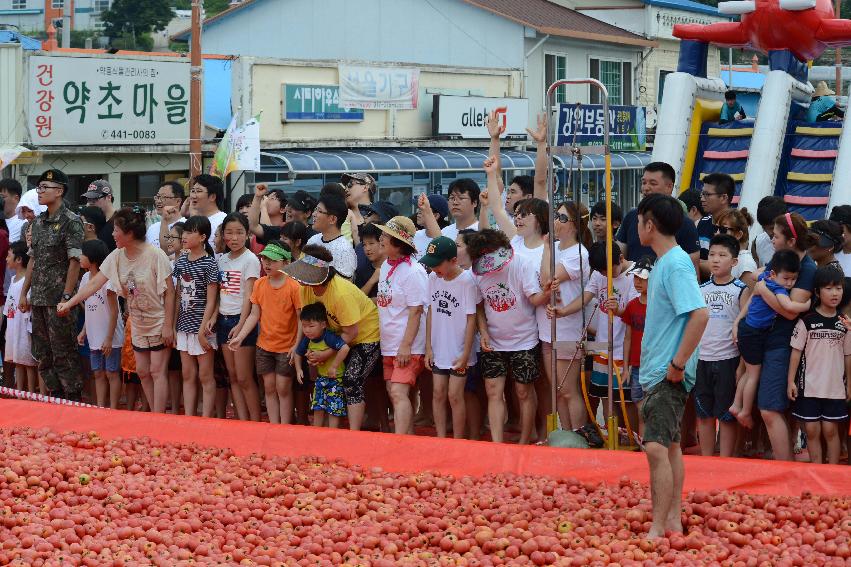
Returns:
<point x="412" y="454"/>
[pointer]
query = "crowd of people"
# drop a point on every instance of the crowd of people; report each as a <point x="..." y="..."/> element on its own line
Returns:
<point x="339" y="311"/>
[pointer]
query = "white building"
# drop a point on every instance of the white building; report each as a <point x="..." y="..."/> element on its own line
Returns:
<point x="35" y="15"/>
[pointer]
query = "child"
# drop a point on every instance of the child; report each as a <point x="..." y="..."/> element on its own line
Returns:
<point x="821" y="354"/>
<point x="768" y="209"/>
<point x="598" y="220"/>
<point x="372" y="249"/>
<point x="327" y="352"/>
<point x="450" y="328"/>
<point x="275" y="304"/>
<point x="754" y="322"/>
<point x="173" y="245"/>
<point x="725" y="296"/>
<point x="239" y="269"/>
<point x="624" y="291"/>
<point x="676" y="318"/>
<point x="506" y="322"/>
<point x="18" y="341"/>
<point x="174" y="240"/>
<point x="104" y="327"/>
<point x="633" y="318"/>
<point x="197" y="275"/>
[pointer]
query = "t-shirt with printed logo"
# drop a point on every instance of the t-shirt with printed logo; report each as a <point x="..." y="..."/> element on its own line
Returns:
<point x="98" y="315"/>
<point x="450" y="303"/>
<point x="400" y="287"/>
<point x="510" y="314"/>
<point x="723" y="303"/>
<point x="234" y="272"/>
<point x="825" y="343"/>
<point x="193" y="277"/>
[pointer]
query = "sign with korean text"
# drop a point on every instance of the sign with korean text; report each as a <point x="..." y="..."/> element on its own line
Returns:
<point x="378" y="87"/>
<point x="627" y="126"/>
<point x="316" y="103"/>
<point x="465" y="116"/>
<point x="88" y="101"/>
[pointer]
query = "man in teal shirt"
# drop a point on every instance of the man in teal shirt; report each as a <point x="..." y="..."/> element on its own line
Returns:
<point x="731" y="110"/>
<point x="676" y="319"/>
<point x="823" y="106"/>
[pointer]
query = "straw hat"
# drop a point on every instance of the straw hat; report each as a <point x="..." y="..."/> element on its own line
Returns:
<point x="308" y="270"/>
<point x="401" y="228"/>
<point x="823" y="90"/>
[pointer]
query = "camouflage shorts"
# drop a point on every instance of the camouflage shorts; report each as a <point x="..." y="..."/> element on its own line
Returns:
<point x="522" y="364"/>
<point x="662" y="412"/>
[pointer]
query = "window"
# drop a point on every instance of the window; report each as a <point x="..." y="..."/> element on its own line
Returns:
<point x="661" y="87"/>
<point x="100" y="6"/>
<point x="19" y="4"/>
<point x="141" y="187"/>
<point x="617" y="76"/>
<point x="555" y="69"/>
<point x="57" y="3"/>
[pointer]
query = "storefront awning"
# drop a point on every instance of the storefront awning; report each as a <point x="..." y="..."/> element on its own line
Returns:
<point x="389" y="160"/>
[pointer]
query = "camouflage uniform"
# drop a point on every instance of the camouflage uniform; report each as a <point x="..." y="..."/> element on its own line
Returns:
<point x="55" y="240"/>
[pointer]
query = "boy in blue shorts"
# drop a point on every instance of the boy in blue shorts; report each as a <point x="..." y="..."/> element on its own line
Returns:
<point x="676" y="318"/>
<point x="718" y="362"/>
<point x="326" y="352"/>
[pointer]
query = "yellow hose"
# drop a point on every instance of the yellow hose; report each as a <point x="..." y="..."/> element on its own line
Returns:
<point x="623" y="403"/>
<point x="591" y="415"/>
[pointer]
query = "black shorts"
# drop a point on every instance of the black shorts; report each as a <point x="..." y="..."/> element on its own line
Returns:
<point x="225" y="324"/>
<point x="523" y="364"/>
<point x="450" y="372"/>
<point x="752" y="342"/>
<point x="662" y="412"/>
<point x="715" y="388"/>
<point x="819" y="409"/>
<point x="174" y="360"/>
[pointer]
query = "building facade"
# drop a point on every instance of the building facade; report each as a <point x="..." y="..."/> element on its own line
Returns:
<point x="36" y="15"/>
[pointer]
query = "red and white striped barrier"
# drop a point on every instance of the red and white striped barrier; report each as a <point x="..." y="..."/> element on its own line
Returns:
<point x="21" y="395"/>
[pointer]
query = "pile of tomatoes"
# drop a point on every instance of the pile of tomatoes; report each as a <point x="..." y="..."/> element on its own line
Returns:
<point x="77" y="499"/>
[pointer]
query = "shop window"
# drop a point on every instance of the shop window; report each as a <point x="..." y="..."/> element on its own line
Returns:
<point x="616" y="76"/>
<point x="661" y="87"/>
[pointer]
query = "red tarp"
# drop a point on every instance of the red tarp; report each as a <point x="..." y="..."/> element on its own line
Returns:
<point x="404" y="453"/>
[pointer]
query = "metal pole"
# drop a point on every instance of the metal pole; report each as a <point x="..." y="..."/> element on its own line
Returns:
<point x="838" y="58"/>
<point x="613" y="419"/>
<point x="195" y="92"/>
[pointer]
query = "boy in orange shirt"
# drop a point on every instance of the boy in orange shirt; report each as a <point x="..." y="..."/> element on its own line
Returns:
<point x="276" y="305"/>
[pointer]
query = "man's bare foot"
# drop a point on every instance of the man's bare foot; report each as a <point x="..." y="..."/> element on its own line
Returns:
<point x="656" y="532"/>
<point x="675" y="526"/>
<point x="745" y="420"/>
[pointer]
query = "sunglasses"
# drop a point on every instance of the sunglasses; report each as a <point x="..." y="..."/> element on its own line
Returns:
<point x="561" y="217"/>
<point x="725" y="230"/>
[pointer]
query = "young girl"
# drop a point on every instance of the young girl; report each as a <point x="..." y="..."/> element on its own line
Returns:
<point x="197" y="275"/>
<point x="821" y="355"/>
<point x="104" y="327"/>
<point x="737" y="222"/>
<point x="275" y="304"/>
<point x="295" y="235"/>
<point x="239" y="269"/>
<point x="506" y="320"/>
<point x="173" y="245"/>
<point x="571" y="275"/>
<point x="18" y="341"/>
<point x="143" y="274"/>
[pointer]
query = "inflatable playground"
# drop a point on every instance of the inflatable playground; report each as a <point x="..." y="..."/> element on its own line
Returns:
<point x="88" y="486"/>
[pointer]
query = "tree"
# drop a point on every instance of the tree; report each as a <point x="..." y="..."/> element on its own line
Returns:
<point x="131" y="20"/>
<point x="211" y="7"/>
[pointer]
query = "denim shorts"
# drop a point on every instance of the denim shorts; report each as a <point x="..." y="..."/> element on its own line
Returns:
<point x="636" y="392"/>
<point x="226" y="323"/>
<point x="111" y="363"/>
<point x="773" y="380"/>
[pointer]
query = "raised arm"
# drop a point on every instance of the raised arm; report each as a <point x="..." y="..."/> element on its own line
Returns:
<point x="539" y="135"/>
<point x="260" y="191"/>
<point x="493" y="200"/>
<point x="429" y="222"/>
<point x="495" y="130"/>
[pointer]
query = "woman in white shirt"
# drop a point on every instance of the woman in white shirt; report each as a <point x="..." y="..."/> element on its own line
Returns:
<point x="736" y="222"/>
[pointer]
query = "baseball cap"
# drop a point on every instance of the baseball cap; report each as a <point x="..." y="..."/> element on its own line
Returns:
<point x="302" y="201"/>
<point x="97" y="189"/>
<point x="384" y="209"/>
<point x="825" y="239"/>
<point x="275" y="252"/>
<point x="55" y="176"/>
<point x="641" y="268"/>
<point x="439" y="205"/>
<point x="362" y="177"/>
<point x="841" y="214"/>
<point x="438" y="251"/>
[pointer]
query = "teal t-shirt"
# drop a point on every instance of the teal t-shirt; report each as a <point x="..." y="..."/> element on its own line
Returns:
<point x="729" y="114"/>
<point x="672" y="293"/>
<point x="819" y="106"/>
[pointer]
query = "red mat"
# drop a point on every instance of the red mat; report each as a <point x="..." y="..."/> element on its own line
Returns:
<point x="411" y="453"/>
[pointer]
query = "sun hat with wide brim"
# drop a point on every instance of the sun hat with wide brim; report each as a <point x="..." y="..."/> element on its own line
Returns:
<point x="823" y="90"/>
<point x="308" y="270"/>
<point x="401" y="228"/>
<point x="493" y="261"/>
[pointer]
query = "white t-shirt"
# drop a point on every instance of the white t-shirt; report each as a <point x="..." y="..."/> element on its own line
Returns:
<point x="215" y="221"/>
<point x="746" y="264"/>
<point x="764" y="248"/>
<point x="97" y="318"/>
<point x="14" y="224"/>
<point x="451" y="231"/>
<point x="567" y="328"/>
<point x="233" y="273"/>
<point x="18" y="327"/>
<point x="421" y="242"/>
<point x="345" y="260"/>
<point x="510" y="315"/>
<point x="723" y="303"/>
<point x="153" y="234"/>
<point x="406" y="287"/>
<point x="450" y="303"/>
<point x="844" y="259"/>
<point x="624" y="289"/>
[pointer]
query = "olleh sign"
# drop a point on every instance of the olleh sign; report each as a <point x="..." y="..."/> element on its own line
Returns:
<point x="466" y="116"/>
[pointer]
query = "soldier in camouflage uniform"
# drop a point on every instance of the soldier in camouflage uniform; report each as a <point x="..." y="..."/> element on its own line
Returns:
<point x="52" y="276"/>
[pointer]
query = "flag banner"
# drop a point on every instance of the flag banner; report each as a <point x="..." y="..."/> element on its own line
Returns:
<point x="239" y="149"/>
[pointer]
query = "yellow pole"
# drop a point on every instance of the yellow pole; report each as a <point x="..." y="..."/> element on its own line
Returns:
<point x="612" y="423"/>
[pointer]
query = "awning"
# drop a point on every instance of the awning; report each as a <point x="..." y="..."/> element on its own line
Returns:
<point x="390" y="160"/>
